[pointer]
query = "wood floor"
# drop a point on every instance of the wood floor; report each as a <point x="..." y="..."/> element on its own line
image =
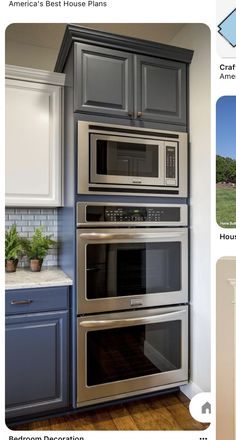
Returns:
<point x="168" y="412"/>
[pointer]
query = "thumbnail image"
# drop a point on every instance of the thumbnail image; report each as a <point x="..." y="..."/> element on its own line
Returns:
<point x="226" y="162"/>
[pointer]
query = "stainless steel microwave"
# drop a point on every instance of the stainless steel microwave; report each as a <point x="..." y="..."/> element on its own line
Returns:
<point x="128" y="160"/>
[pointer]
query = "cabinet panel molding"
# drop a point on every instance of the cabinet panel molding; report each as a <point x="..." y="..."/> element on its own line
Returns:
<point x="103" y="80"/>
<point x="161" y="90"/>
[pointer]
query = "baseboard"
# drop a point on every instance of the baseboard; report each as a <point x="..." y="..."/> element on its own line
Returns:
<point x="190" y="390"/>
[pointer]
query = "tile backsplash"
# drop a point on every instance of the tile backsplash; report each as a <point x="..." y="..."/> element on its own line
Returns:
<point x="27" y="219"/>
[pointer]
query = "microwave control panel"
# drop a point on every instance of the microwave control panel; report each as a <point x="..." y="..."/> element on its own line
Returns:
<point x="170" y="162"/>
<point x="134" y="214"/>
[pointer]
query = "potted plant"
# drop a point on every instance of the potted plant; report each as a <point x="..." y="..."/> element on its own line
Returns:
<point x="36" y="248"/>
<point x="13" y="248"/>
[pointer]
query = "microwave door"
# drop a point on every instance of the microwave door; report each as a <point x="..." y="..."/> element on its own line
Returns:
<point x="126" y="161"/>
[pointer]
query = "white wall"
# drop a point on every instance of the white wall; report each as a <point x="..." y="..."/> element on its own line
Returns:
<point x="28" y="55"/>
<point x="197" y="37"/>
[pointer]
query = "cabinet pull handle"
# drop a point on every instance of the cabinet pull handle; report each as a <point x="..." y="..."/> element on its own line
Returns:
<point x="20" y="302"/>
<point x="139" y="114"/>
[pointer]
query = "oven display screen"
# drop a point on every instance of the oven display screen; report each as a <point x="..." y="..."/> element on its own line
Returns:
<point x="132" y="214"/>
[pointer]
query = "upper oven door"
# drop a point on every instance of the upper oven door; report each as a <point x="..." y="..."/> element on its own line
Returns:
<point x="122" y="160"/>
<point x="122" y="269"/>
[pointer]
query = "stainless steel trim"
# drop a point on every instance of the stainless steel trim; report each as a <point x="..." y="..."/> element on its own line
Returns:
<point x="129" y="321"/>
<point x="83" y="185"/>
<point x="20" y="302"/>
<point x="133" y="393"/>
<point x="141" y="132"/>
<point x="131" y="235"/>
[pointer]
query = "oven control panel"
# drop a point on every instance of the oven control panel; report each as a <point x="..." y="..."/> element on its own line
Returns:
<point x="119" y="214"/>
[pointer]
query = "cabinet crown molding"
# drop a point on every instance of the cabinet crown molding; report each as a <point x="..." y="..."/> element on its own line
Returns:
<point x="35" y="75"/>
<point x="79" y="34"/>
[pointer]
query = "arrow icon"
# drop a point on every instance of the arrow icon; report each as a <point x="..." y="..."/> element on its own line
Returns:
<point x="227" y="28"/>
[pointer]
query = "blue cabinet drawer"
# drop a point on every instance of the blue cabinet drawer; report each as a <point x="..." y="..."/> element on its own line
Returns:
<point x="36" y="300"/>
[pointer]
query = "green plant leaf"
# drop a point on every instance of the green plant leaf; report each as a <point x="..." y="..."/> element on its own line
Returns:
<point x="13" y="244"/>
<point x="38" y="246"/>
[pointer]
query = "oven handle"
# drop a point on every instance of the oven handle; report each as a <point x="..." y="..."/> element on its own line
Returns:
<point x="106" y="323"/>
<point x="105" y="236"/>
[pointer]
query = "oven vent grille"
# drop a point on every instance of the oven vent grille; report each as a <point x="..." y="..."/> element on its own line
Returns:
<point x="126" y="131"/>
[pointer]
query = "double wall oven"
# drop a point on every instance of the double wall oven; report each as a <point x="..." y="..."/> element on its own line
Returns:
<point x="132" y="294"/>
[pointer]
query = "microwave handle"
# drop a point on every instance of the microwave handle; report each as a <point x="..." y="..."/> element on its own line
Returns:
<point x="110" y="323"/>
<point x="131" y="235"/>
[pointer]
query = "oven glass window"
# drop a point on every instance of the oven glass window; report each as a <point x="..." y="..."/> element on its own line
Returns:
<point x="123" y="269"/>
<point x="130" y="352"/>
<point x="119" y="158"/>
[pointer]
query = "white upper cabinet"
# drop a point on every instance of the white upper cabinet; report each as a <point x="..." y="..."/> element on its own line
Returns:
<point x="33" y="137"/>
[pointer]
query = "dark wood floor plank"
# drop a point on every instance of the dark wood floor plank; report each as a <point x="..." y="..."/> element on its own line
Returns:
<point x="142" y="416"/>
<point x="122" y="419"/>
<point x="80" y="422"/>
<point x="182" y="414"/>
<point x="101" y="420"/>
<point x="165" y="421"/>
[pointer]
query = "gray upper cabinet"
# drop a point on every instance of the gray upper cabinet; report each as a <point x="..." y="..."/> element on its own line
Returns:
<point x="103" y="80"/>
<point x="121" y="84"/>
<point x="160" y="90"/>
<point x="126" y="80"/>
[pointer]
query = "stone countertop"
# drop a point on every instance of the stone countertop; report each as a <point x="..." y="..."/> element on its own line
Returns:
<point x="48" y="277"/>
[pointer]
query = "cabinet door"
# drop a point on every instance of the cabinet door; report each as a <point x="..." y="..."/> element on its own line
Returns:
<point x="36" y="363"/>
<point x="33" y="144"/>
<point x="103" y="81"/>
<point x="160" y="90"/>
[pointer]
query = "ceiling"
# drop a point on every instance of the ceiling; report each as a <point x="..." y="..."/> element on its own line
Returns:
<point x="36" y="34"/>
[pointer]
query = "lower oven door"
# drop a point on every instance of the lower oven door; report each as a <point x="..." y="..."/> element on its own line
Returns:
<point x="128" y="353"/>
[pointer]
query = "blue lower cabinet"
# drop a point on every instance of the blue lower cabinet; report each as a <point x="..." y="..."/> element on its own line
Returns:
<point x="36" y="363"/>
